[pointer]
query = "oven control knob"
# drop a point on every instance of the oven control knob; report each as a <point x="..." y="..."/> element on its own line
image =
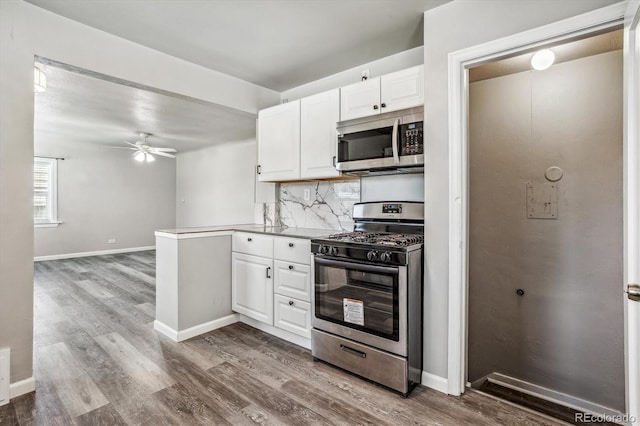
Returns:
<point x="372" y="255"/>
<point x="324" y="249"/>
<point x="333" y="251"/>
<point x="385" y="256"/>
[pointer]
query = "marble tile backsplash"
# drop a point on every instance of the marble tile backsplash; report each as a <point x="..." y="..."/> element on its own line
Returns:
<point x="329" y="206"/>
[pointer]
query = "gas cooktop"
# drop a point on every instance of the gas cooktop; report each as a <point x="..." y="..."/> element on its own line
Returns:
<point x="378" y="238"/>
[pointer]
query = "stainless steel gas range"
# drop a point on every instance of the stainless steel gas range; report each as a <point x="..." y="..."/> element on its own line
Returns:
<point x="367" y="295"/>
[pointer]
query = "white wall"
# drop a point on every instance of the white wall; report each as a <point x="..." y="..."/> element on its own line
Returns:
<point x="104" y="193"/>
<point x="25" y="31"/>
<point x="215" y="185"/>
<point x="448" y="28"/>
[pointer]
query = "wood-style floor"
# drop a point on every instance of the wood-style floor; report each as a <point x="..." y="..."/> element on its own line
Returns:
<point x="98" y="361"/>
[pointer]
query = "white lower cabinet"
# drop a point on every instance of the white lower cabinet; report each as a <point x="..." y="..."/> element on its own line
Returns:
<point x="252" y="286"/>
<point x="292" y="315"/>
<point x="271" y="282"/>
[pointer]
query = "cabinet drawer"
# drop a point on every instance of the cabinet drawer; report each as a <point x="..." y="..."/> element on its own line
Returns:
<point x="297" y="250"/>
<point x="255" y="244"/>
<point x="292" y="279"/>
<point x="292" y="315"/>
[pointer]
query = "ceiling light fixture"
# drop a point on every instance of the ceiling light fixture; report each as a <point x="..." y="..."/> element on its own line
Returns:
<point x="139" y="156"/>
<point x="39" y="78"/>
<point x="542" y="59"/>
<point x="149" y="157"/>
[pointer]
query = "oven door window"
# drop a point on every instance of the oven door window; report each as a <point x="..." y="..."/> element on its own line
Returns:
<point x="366" y="145"/>
<point x="359" y="296"/>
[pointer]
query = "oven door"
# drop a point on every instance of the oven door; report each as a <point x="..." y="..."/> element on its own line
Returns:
<point x="362" y="302"/>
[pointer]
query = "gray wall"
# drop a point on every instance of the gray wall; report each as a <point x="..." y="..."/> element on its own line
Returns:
<point x="567" y="332"/>
<point x="215" y="185"/>
<point x="399" y="61"/>
<point x="104" y="193"/>
<point x="448" y="28"/>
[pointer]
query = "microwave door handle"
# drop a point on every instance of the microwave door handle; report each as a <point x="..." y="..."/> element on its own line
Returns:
<point x="395" y="142"/>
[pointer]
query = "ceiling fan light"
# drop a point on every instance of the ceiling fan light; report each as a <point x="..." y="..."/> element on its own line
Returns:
<point x="139" y="156"/>
<point x="150" y="158"/>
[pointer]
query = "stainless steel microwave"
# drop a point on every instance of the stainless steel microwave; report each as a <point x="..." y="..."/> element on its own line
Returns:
<point x="386" y="143"/>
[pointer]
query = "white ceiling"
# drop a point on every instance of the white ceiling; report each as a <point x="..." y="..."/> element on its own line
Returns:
<point x="85" y="109"/>
<point x="277" y="44"/>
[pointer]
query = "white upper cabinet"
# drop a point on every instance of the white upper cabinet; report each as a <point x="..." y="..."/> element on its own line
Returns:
<point x="360" y="99"/>
<point x="402" y="89"/>
<point x="390" y="92"/>
<point x="318" y="137"/>
<point x="279" y="142"/>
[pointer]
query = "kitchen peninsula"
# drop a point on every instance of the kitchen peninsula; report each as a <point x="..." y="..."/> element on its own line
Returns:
<point x="209" y="277"/>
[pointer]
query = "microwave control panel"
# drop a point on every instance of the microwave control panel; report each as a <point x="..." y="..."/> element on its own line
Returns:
<point x="412" y="139"/>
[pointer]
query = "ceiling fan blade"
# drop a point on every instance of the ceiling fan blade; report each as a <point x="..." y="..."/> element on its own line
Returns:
<point x="164" y="154"/>
<point x="163" y="149"/>
<point x="135" y="145"/>
<point x="119" y="147"/>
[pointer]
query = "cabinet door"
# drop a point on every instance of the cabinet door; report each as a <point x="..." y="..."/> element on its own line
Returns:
<point x="318" y="138"/>
<point x="402" y="89"/>
<point x="292" y="315"/>
<point x="252" y="286"/>
<point x="279" y="142"/>
<point x="360" y="99"/>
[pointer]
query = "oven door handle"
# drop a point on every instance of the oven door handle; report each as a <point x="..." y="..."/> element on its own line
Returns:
<point x="357" y="266"/>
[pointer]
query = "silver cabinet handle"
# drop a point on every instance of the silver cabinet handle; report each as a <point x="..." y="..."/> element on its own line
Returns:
<point x="290" y="302"/>
<point x="633" y="292"/>
<point x="249" y="239"/>
<point x="268" y="270"/>
<point x="290" y="244"/>
<point x="290" y="266"/>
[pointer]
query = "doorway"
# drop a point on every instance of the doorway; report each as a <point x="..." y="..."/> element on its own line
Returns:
<point x="545" y="317"/>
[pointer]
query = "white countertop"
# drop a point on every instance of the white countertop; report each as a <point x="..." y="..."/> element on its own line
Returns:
<point x="256" y="228"/>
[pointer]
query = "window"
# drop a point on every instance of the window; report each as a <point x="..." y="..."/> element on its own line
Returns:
<point x="45" y="208"/>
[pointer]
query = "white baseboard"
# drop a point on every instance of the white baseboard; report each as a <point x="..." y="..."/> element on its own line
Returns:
<point x="551" y="395"/>
<point x="166" y="330"/>
<point x="206" y="327"/>
<point x="22" y="387"/>
<point x="179" y="336"/>
<point x="92" y="253"/>
<point x="432" y="381"/>
<point x="278" y="332"/>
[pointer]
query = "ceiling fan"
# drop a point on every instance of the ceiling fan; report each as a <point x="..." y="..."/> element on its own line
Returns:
<point x="144" y="151"/>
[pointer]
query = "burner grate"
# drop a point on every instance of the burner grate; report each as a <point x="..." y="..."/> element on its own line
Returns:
<point x="380" y="238"/>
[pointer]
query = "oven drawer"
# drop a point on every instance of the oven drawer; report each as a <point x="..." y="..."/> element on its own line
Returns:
<point x="292" y="279"/>
<point x="297" y="250"/>
<point x="292" y="315"/>
<point x="373" y="364"/>
<point x="255" y="244"/>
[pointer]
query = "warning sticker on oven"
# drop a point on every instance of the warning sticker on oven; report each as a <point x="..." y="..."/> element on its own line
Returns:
<point x="353" y="311"/>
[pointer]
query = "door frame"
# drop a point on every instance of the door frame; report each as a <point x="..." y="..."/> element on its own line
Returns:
<point x="631" y="113"/>
<point x="459" y="62"/>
